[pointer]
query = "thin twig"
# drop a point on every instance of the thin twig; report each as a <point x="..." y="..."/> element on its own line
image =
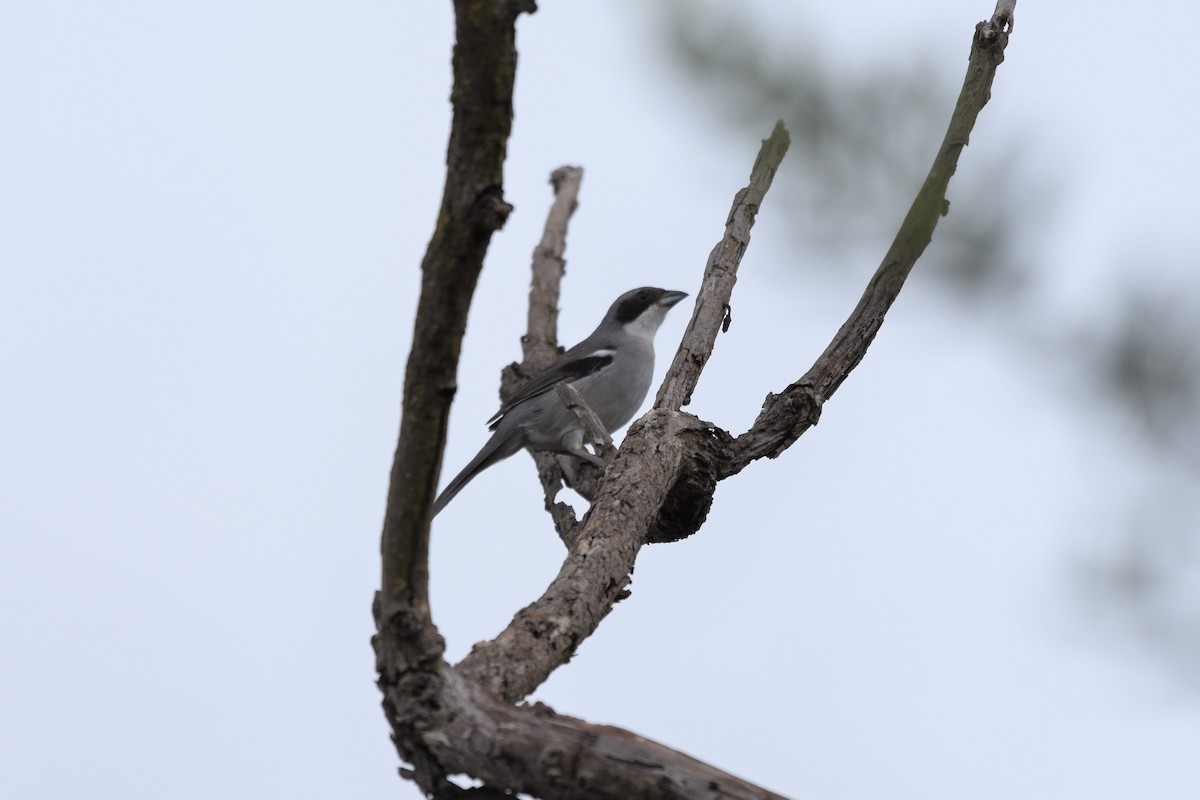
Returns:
<point x="785" y="416"/>
<point x="539" y="345"/>
<point x="593" y="428"/>
<point x="712" y="301"/>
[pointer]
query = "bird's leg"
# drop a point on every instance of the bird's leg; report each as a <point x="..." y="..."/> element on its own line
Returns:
<point x="587" y="455"/>
<point x="573" y="443"/>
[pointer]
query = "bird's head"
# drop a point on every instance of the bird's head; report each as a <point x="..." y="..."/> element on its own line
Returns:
<point x="641" y="311"/>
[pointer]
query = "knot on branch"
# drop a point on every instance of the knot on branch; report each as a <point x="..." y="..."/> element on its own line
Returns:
<point x="993" y="34"/>
<point x="515" y="8"/>
<point x="490" y="210"/>
<point x="1002" y="18"/>
<point x="703" y="448"/>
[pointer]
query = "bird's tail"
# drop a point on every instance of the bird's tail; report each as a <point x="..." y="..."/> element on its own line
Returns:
<point x="498" y="448"/>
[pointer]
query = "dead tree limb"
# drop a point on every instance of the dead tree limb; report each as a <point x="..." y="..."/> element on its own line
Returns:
<point x="659" y="487"/>
<point x="408" y="647"/>
<point x="624" y="514"/>
<point x="787" y="415"/>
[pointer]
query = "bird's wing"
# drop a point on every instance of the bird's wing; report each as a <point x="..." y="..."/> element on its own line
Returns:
<point x="571" y="366"/>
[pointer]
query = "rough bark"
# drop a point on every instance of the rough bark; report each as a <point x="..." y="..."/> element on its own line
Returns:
<point x="711" y="312"/>
<point x="540" y="344"/>
<point x="653" y="490"/>
<point x="408" y="647"/>
<point x="544" y="754"/>
<point x="658" y="487"/>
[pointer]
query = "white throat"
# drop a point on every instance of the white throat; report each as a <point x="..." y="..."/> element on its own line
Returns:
<point x="647" y="323"/>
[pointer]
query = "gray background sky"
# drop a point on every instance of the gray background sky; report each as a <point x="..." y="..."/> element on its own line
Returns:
<point x="211" y="219"/>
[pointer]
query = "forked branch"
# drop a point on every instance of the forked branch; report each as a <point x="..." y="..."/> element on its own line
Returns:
<point x="659" y="486"/>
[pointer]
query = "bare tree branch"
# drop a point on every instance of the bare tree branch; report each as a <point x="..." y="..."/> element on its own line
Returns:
<point x="536" y="751"/>
<point x="1002" y="20"/>
<point x="658" y="488"/>
<point x="670" y="497"/>
<point x="712" y="301"/>
<point x="408" y="646"/>
<point x="787" y="415"/>
<point x="593" y="428"/>
<point x="540" y="343"/>
<point x="583" y="476"/>
<point x="544" y="635"/>
<point x="540" y="348"/>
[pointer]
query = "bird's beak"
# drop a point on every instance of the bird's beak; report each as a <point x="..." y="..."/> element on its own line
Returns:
<point x="671" y="298"/>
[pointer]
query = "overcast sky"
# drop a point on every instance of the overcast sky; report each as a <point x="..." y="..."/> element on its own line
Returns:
<point x="211" y="220"/>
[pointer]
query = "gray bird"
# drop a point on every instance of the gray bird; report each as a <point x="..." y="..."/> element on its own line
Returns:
<point x="612" y="369"/>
